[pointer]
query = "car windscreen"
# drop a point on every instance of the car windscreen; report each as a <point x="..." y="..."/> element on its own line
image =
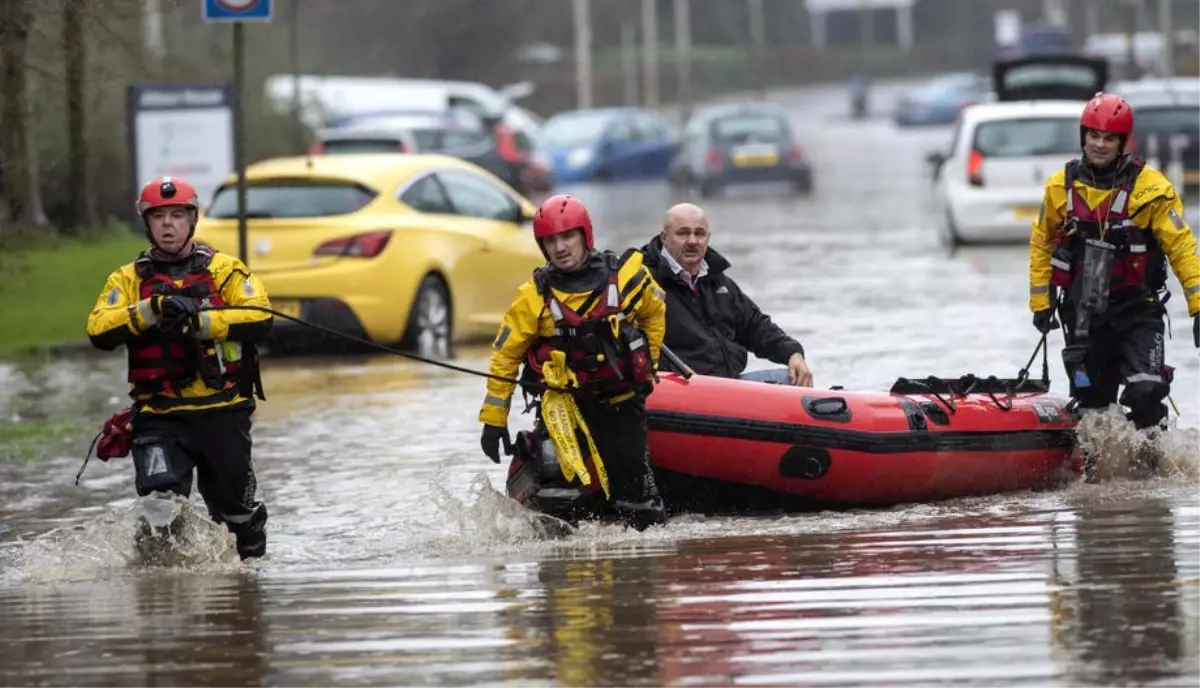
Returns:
<point x="749" y="129"/>
<point x="1013" y="138"/>
<point x="286" y="198"/>
<point x="573" y="130"/>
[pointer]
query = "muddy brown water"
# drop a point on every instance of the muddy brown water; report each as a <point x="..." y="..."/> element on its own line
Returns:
<point x="395" y="560"/>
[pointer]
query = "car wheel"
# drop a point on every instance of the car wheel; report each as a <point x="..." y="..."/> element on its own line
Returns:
<point x="949" y="235"/>
<point x="429" y="321"/>
<point x="709" y="189"/>
<point x="602" y="176"/>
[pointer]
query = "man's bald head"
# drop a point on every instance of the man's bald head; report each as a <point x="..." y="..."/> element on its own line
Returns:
<point x="684" y="213"/>
<point x="685" y="235"/>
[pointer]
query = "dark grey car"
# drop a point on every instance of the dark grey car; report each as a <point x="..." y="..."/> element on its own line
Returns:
<point x="452" y="133"/>
<point x="743" y="143"/>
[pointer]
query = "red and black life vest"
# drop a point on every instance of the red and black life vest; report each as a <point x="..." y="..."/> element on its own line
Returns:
<point x="1137" y="260"/>
<point x="608" y="355"/>
<point x="163" y="365"/>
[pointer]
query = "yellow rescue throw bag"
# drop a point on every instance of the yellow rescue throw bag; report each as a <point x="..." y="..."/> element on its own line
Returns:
<point x="561" y="417"/>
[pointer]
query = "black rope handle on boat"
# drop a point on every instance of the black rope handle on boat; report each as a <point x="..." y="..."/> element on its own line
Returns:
<point x="928" y="385"/>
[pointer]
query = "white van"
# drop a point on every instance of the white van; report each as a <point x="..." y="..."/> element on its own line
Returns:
<point x="328" y="99"/>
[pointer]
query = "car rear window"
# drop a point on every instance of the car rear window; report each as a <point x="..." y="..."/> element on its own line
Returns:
<point x="292" y="199"/>
<point x="749" y="129"/>
<point x="353" y="146"/>
<point x="1014" y="138"/>
<point x="1179" y="120"/>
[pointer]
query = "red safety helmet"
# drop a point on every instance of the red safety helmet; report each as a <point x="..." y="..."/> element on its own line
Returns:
<point x="562" y="213"/>
<point x="165" y="192"/>
<point x="1107" y="112"/>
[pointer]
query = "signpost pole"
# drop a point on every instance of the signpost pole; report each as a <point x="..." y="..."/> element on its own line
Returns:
<point x="238" y="12"/>
<point x="239" y="136"/>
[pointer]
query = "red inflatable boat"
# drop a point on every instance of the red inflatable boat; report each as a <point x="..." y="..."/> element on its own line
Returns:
<point x="742" y="446"/>
<point x="722" y="444"/>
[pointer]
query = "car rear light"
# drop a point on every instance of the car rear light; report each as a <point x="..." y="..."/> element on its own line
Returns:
<point x="712" y="158"/>
<point x="317" y="148"/>
<point x="400" y="147"/>
<point x="795" y="154"/>
<point x="366" y="245"/>
<point x="975" y="168"/>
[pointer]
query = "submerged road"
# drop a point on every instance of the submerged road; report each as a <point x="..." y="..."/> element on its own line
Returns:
<point x="394" y="560"/>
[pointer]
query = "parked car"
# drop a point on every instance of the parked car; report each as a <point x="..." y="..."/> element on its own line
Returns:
<point x="1166" y="132"/>
<point x="452" y="132"/>
<point x="940" y="100"/>
<point x="989" y="186"/>
<point x="419" y="250"/>
<point x="328" y="99"/>
<point x="606" y="144"/>
<point x="741" y="143"/>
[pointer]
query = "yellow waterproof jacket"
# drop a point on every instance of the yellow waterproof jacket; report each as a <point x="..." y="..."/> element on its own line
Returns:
<point x="122" y="317"/>
<point x="1153" y="206"/>
<point x="528" y="320"/>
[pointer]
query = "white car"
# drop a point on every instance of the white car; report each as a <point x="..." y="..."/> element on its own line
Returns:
<point x="990" y="183"/>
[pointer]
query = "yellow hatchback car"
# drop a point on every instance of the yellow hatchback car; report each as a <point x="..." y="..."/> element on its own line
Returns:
<point x="420" y="251"/>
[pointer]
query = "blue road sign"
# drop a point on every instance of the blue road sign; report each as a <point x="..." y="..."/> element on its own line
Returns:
<point x="237" y="10"/>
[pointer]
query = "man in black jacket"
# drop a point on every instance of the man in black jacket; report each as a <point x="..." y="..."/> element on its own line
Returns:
<point x="711" y="324"/>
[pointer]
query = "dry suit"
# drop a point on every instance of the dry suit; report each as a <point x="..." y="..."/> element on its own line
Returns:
<point x="193" y="390"/>
<point x="1102" y="243"/>
<point x="574" y="312"/>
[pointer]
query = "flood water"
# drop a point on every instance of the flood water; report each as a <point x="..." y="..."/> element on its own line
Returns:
<point x="393" y="558"/>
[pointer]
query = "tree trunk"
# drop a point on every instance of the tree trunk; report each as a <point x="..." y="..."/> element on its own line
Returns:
<point x="80" y="208"/>
<point x="20" y="169"/>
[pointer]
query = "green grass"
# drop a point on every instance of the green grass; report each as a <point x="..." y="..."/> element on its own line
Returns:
<point x="33" y="440"/>
<point x="49" y="285"/>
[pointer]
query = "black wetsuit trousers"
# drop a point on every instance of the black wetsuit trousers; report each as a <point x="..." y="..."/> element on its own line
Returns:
<point x="1127" y="348"/>
<point x="620" y="434"/>
<point x="216" y="444"/>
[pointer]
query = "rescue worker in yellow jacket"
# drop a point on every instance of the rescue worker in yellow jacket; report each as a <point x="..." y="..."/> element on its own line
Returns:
<point x="602" y="317"/>
<point x="193" y="371"/>
<point x="1098" y="254"/>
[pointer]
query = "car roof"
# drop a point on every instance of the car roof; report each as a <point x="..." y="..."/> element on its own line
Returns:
<point x="600" y="112"/>
<point x="375" y="170"/>
<point x="761" y="107"/>
<point x="393" y="126"/>
<point x="1161" y="99"/>
<point x="1020" y="109"/>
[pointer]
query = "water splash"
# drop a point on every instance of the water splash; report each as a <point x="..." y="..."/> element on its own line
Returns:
<point x="1111" y="439"/>
<point x="104" y="546"/>
<point x="482" y="518"/>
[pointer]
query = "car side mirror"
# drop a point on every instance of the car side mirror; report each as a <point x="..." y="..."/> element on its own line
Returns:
<point x="935" y="159"/>
<point x="524" y="214"/>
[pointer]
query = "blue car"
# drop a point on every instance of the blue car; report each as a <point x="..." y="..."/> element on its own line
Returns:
<point x="940" y="100"/>
<point x="606" y="144"/>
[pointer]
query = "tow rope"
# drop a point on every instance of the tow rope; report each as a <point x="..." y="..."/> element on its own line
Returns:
<point x="392" y="350"/>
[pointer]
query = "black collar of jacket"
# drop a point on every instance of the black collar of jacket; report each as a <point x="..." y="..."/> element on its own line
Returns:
<point x="652" y="259"/>
<point x="595" y="269"/>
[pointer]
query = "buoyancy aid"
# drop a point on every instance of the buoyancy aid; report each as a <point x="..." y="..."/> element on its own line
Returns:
<point x="607" y="354"/>
<point x="1138" y="261"/>
<point x="161" y="364"/>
